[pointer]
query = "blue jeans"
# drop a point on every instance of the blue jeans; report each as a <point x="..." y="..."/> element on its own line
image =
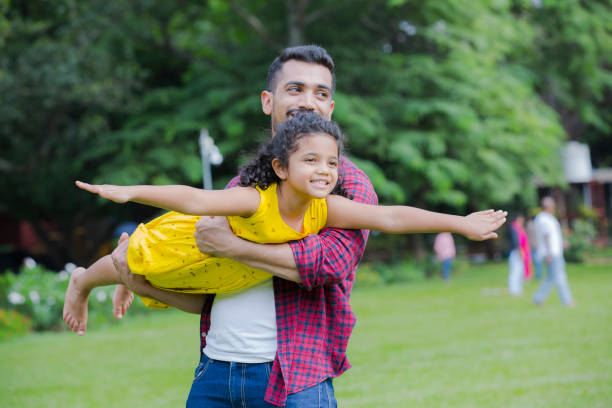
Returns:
<point x="221" y="384"/>
<point x="516" y="273"/>
<point x="537" y="265"/>
<point x="556" y="277"/>
<point x="446" y="268"/>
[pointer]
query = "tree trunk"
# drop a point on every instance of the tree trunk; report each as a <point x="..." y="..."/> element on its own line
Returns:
<point x="295" y="21"/>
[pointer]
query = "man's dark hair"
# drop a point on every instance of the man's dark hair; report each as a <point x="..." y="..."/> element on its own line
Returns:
<point x="259" y="171"/>
<point x="312" y="54"/>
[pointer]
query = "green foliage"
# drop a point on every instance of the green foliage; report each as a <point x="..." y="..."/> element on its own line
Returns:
<point x="38" y="294"/>
<point x="449" y="105"/>
<point x="580" y="240"/>
<point x="378" y="273"/>
<point x="13" y="324"/>
<point x="571" y="59"/>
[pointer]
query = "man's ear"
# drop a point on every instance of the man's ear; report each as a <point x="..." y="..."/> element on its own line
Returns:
<point x="266" y="102"/>
<point x="279" y="169"/>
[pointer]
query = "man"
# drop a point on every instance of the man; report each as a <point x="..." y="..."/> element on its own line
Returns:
<point x="280" y="342"/>
<point x="550" y="250"/>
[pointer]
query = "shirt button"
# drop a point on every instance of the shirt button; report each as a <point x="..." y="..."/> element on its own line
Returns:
<point x="203" y="334"/>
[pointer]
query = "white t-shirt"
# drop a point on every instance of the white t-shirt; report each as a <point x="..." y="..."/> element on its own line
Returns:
<point x="243" y="325"/>
<point x="547" y="226"/>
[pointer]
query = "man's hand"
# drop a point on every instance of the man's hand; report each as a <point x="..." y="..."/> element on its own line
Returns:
<point x="214" y="237"/>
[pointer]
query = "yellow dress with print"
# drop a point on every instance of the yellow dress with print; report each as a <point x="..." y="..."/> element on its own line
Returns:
<point x="165" y="252"/>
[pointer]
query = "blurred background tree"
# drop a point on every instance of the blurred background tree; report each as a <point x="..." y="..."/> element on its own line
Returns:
<point x="448" y="105"/>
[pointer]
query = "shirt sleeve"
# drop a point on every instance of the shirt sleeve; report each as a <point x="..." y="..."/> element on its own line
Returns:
<point x="329" y="257"/>
<point x="233" y="182"/>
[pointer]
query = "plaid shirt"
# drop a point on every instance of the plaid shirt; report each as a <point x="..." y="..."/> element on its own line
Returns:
<point x="314" y="318"/>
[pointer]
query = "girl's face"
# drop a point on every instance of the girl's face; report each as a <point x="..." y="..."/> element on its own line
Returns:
<point x="313" y="168"/>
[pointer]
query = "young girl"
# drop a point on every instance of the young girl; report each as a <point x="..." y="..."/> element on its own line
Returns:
<point x="288" y="191"/>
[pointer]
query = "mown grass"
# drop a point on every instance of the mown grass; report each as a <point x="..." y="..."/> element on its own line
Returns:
<point x="424" y="344"/>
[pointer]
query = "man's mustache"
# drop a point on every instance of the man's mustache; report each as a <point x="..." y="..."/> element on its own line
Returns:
<point x="296" y="111"/>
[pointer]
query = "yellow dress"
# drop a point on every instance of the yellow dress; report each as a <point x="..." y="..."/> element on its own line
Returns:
<point x="165" y="252"/>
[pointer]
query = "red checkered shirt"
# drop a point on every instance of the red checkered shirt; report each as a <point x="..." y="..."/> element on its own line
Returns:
<point x="314" y="319"/>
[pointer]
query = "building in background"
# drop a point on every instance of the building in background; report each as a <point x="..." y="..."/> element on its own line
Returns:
<point x="589" y="191"/>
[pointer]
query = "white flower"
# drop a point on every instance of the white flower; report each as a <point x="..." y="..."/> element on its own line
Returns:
<point x="101" y="296"/>
<point x="34" y="297"/>
<point x="16" y="298"/>
<point x="29" y="263"/>
<point x="69" y="267"/>
<point x="50" y="300"/>
<point x="63" y="275"/>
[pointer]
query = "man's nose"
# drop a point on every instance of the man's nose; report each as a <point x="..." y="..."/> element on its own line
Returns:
<point x="307" y="102"/>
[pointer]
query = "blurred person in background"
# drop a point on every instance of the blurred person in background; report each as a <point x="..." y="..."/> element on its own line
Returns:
<point x="533" y="242"/>
<point x="519" y="259"/>
<point x="444" y="247"/>
<point x="550" y="251"/>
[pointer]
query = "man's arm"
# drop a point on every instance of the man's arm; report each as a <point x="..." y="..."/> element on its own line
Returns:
<point x="214" y="237"/>
<point x="191" y="303"/>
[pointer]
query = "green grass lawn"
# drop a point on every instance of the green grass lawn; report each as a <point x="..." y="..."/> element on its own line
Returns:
<point x="425" y="344"/>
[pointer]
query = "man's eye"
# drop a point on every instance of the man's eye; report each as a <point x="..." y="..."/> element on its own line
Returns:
<point x="323" y="94"/>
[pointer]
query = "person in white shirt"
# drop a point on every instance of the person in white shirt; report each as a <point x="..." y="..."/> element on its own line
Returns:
<point x="550" y="251"/>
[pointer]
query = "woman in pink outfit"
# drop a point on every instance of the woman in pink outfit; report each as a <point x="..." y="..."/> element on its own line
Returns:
<point x="519" y="226"/>
<point x="519" y="258"/>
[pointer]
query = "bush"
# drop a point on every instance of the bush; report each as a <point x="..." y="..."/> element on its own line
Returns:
<point x="581" y="239"/>
<point x="38" y="294"/>
<point x="13" y="324"/>
<point x="367" y="277"/>
<point x="377" y="274"/>
<point x="372" y="274"/>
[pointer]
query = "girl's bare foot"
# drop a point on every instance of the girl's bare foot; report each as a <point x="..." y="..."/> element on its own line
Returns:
<point x="122" y="299"/>
<point x="75" y="303"/>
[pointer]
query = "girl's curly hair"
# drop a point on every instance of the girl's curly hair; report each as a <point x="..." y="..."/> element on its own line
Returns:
<point x="259" y="171"/>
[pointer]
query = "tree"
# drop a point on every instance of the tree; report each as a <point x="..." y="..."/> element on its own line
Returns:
<point x="444" y="102"/>
<point x="62" y="86"/>
<point x="571" y="60"/>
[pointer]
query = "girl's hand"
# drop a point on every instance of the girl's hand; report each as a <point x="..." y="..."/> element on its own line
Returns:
<point x="119" y="194"/>
<point x="481" y="225"/>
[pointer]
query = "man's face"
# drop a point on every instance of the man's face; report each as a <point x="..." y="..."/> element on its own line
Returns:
<point x="299" y="86"/>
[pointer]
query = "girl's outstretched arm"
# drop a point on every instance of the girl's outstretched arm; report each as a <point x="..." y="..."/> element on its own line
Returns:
<point x="344" y="213"/>
<point x="242" y="201"/>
